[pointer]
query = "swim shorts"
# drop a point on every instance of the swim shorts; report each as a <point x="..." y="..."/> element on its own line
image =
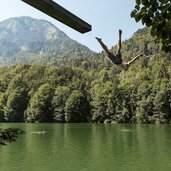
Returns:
<point x="116" y="59"/>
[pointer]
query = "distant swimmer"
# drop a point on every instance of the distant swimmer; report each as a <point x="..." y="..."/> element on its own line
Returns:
<point x="38" y="132"/>
<point x="126" y="130"/>
<point x="117" y="59"/>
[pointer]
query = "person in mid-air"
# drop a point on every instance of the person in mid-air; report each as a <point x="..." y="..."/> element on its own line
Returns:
<point x="117" y="59"/>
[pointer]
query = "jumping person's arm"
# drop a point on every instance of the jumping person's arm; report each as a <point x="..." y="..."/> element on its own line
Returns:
<point x="133" y="59"/>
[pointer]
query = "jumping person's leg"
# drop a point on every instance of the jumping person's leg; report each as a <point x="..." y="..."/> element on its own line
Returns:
<point x="103" y="45"/>
<point x="135" y="58"/>
<point x="119" y="42"/>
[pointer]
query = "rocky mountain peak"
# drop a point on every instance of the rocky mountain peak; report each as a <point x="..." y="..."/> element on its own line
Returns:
<point x="26" y="34"/>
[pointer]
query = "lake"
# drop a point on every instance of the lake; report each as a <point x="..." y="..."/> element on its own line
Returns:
<point x="88" y="147"/>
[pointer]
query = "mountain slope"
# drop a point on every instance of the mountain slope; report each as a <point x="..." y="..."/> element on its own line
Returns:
<point x="25" y="40"/>
<point x="27" y="36"/>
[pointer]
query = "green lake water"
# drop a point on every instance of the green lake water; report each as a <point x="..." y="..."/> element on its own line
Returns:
<point x="88" y="147"/>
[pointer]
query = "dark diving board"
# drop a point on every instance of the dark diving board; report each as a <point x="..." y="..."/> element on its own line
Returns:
<point x="59" y="13"/>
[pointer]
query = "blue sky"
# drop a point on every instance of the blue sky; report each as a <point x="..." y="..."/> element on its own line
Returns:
<point x="105" y="16"/>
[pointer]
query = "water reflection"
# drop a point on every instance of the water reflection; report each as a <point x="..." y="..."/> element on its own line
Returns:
<point x="88" y="147"/>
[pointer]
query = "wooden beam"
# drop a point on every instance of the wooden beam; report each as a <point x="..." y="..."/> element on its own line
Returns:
<point x="59" y="13"/>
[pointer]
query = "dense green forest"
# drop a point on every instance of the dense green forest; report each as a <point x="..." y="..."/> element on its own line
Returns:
<point x="91" y="89"/>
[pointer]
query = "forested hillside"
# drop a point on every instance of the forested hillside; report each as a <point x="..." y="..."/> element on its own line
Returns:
<point x="73" y="94"/>
<point x="90" y="89"/>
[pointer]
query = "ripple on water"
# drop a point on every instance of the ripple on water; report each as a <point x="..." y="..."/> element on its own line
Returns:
<point x="89" y="147"/>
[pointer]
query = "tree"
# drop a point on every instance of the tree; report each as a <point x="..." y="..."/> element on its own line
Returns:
<point x="144" y="109"/>
<point x="58" y="103"/>
<point x="157" y="15"/>
<point x="161" y="102"/>
<point x="103" y="103"/>
<point x="40" y="109"/>
<point x="1" y="107"/>
<point x="77" y="108"/>
<point x="16" y="105"/>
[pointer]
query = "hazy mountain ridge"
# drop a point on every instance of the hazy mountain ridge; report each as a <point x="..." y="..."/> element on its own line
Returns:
<point x="22" y="35"/>
<point x="24" y="40"/>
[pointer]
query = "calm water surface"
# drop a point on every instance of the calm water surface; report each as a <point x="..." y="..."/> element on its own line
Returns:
<point x="88" y="147"/>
